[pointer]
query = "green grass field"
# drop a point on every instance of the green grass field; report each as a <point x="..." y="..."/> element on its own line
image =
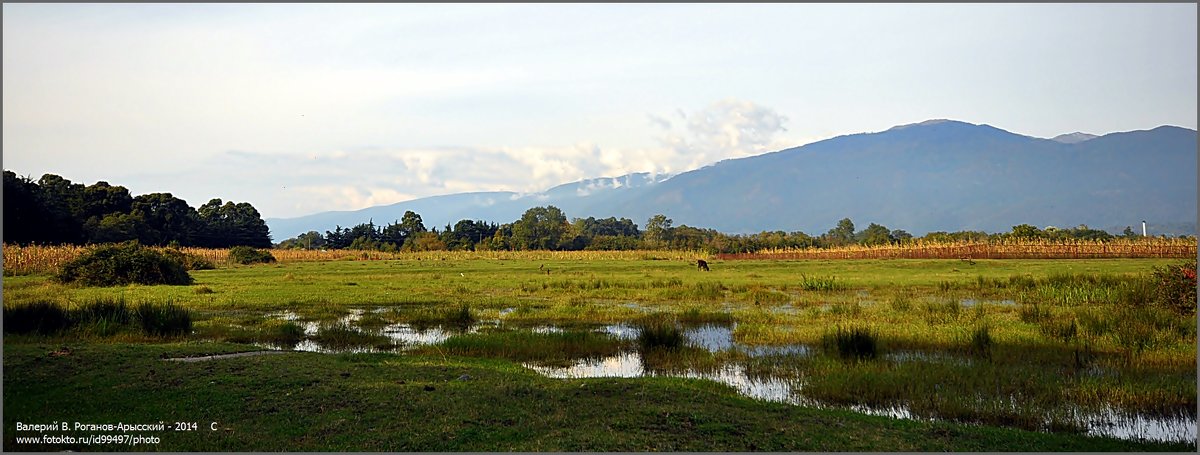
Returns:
<point x="1055" y="335"/>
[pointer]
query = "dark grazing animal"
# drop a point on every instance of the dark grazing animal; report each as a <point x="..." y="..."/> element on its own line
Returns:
<point x="701" y="265"/>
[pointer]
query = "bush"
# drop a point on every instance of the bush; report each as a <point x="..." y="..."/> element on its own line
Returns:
<point x="190" y="261"/>
<point x="1176" y="287"/>
<point x="856" y="343"/>
<point x="249" y="255"/>
<point x="164" y="319"/>
<point x="127" y="263"/>
<point x="44" y="318"/>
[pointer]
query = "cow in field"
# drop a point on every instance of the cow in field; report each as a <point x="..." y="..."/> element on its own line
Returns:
<point x="701" y="265"/>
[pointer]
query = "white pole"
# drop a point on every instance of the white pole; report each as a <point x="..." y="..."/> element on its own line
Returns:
<point x="1143" y="228"/>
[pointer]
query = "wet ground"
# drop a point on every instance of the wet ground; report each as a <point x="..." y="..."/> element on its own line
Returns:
<point x="717" y="339"/>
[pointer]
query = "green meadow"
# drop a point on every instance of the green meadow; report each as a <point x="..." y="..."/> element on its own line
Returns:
<point x="996" y="355"/>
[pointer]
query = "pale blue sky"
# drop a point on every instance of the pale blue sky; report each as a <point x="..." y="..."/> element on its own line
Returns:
<point x="312" y="107"/>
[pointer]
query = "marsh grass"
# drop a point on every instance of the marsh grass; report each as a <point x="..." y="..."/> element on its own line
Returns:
<point x="659" y="332"/>
<point x="459" y="316"/>
<point x="697" y="315"/>
<point x="103" y="316"/>
<point x="760" y="296"/>
<point x="554" y="348"/>
<point x="682" y="360"/>
<point x="341" y="335"/>
<point x="858" y="343"/>
<point x="40" y="317"/>
<point x="289" y="333"/>
<point x="902" y="301"/>
<point x="1032" y="313"/>
<point x="942" y="311"/>
<point x="821" y="284"/>
<point x="164" y="319"/>
<point x="981" y="342"/>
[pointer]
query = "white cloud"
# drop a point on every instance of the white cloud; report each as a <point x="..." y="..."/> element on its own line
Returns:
<point x="309" y="181"/>
<point x="729" y="128"/>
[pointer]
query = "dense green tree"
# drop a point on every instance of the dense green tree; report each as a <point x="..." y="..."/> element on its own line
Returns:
<point x="24" y="215"/>
<point x="410" y="224"/>
<point x="874" y="234"/>
<point x="1026" y="231"/>
<point x="540" y="228"/>
<point x="167" y="219"/>
<point x="658" y="229"/>
<point x="100" y="199"/>
<point x="223" y="225"/>
<point x="842" y="234"/>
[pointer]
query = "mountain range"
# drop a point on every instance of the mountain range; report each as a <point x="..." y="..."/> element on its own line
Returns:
<point x="937" y="175"/>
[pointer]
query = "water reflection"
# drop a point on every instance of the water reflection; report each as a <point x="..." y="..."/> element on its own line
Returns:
<point x="724" y="360"/>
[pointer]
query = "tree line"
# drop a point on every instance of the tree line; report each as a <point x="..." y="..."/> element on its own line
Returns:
<point x="54" y="210"/>
<point x="547" y="228"/>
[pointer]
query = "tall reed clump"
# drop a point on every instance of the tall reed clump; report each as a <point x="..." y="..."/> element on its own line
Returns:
<point x="858" y="343"/>
<point x="659" y="332"/>
<point x="288" y="333"/>
<point x="545" y="348"/>
<point x="164" y="319"/>
<point x="39" y="317"/>
<point x="103" y="317"/>
<point x="127" y="263"/>
<point x="981" y="342"/>
<point x="821" y="284"/>
<point x="461" y="318"/>
<point x="343" y="335"/>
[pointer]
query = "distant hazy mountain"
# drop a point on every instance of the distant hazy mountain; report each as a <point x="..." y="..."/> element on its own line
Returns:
<point x="939" y="175"/>
<point x="1074" y="138"/>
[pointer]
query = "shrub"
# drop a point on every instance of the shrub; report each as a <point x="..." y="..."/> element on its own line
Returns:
<point x="189" y="261"/>
<point x="40" y="317"/>
<point x="249" y="255"/>
<point x="1176" y="287"/>
<point x="856" y="343"/>
<point x="127" y="263"/>
<point x="164" y="319"/>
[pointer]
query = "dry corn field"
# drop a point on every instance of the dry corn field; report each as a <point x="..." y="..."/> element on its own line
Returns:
<point x="36" y="259"/>
<point x="1137" y="248"/>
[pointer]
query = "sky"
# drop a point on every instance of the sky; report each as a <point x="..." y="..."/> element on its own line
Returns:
<point x="303" y="108"/>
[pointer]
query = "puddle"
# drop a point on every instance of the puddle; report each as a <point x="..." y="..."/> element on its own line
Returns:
<point x="630" y="365"/>
<point x="1111" y="422"/>
<point x="786" y="387"/>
